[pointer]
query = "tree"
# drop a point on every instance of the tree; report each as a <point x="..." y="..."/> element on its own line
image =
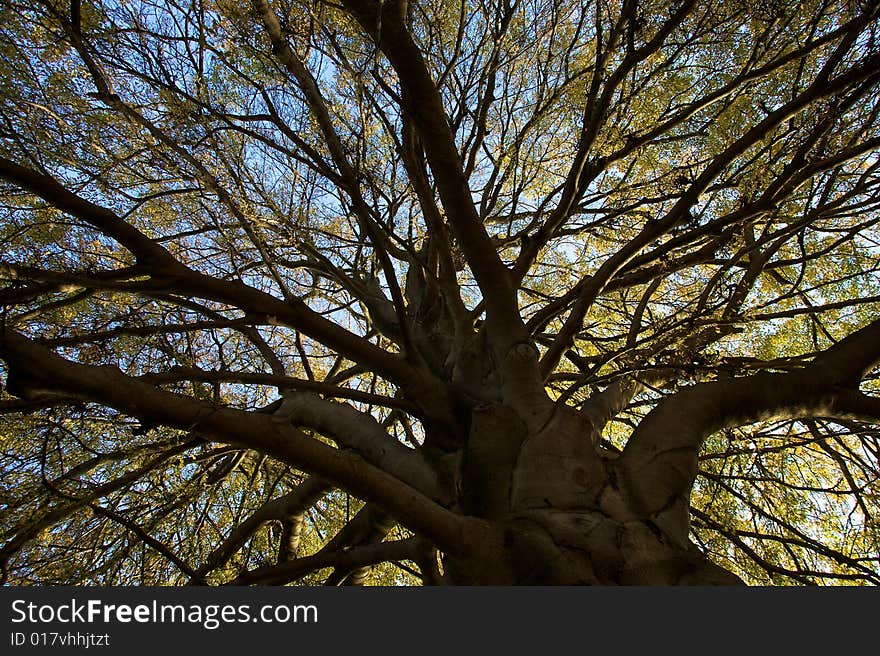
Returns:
<point x="482" y="292"/>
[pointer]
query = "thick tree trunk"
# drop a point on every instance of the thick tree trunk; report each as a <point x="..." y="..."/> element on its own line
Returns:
<point x="561" y="517"/>
<point x="586" y="549"/>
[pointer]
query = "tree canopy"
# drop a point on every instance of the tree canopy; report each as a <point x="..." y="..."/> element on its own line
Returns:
<point x="454" y="291"/>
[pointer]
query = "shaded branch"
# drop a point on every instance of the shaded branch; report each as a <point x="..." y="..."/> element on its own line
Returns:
<point x="659" y="463"/>
<point x="34" y="369"/>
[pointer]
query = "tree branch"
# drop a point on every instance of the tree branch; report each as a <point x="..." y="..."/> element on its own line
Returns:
<point x="659" y="463"/>
<point x="385" y="23"/>
<point x="34" y="369"/>
<point x="369" y="554"/>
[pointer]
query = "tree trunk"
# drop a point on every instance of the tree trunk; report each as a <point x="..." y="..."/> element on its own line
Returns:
<point x="560" y="515"/>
